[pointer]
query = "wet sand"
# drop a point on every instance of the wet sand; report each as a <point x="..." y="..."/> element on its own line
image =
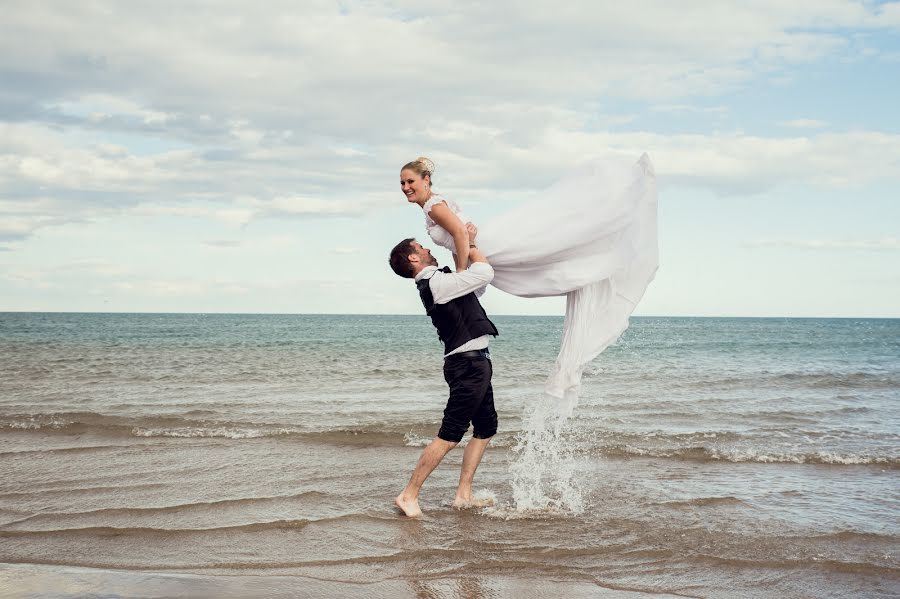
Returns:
<point x="282" y="517"/>
<point x="66" y="582"/>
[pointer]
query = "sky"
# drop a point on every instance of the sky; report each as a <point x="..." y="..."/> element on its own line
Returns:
<point x="244" y="157"/>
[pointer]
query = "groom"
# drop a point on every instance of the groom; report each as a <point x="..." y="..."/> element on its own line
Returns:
<point x="451" y="300"/>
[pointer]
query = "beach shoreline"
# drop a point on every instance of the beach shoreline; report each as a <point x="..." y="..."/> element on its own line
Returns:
<point x="18" y="581"/>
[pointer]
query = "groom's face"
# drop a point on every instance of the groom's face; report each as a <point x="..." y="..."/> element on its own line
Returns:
<point x="424" y="254"/>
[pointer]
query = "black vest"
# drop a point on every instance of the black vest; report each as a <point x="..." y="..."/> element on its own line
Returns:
<point x="458" y="321"/>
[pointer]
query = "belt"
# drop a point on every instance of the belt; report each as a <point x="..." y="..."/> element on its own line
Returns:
<point x="473" y="353"/>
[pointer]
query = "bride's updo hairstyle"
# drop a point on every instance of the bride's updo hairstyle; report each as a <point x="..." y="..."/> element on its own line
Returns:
<point x="421" y="166"/>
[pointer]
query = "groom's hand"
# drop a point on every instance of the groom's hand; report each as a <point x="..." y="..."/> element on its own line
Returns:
<point x="472" y="230"/>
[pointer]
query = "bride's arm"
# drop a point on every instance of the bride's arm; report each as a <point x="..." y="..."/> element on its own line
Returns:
<point x="443" y="216"/>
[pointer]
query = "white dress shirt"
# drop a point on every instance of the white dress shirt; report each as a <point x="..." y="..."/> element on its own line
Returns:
<point x="449" y="286"/>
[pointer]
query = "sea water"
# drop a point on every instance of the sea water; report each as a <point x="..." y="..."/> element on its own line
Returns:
<point x="711" y="457"/>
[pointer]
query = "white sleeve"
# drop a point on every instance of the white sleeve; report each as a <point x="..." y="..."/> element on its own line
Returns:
<point x="431" y="202"/>
<point x="449" y="286"/>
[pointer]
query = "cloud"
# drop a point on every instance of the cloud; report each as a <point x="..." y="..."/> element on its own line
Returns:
<point x="805" y="124"/>
<point x="306" y="206"/>
<point x="306" y="110"/>
<point x="731" y="163"/>
<point x="312" y="69"/>
<point x="687" y="108"/>
<point x="882" y="244"/>
<point x="102" y="277"/>
<point x="95" y="270"/>
<point x="18" y="228"/>
<point x="100" y="185"/>
<point x="21" y="217"/>
<point x="222" y="243"/>
<point x="177" y="287"/>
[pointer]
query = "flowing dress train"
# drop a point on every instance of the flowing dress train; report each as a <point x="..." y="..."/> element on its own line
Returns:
<point x="592" y="237"/>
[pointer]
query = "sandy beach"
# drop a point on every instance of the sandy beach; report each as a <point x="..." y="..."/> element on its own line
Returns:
<point x="79" y="582"/>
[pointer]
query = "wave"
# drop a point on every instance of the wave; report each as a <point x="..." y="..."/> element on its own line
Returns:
<point x="115" y="531"/>
<point x="704" y="501"/>
<point x="709" y="445"/>
<point x="857" y="536"/>
<point x="164" y="509"/>
<point x="414" y="433"/>
<point x="829" y="565"/>
<point x="73" y="423"/>
<point x="224" y="432"/>
<point x="856" y="380"/>
<point x="710" y="454"/>
<point x="848" y="380"/>
<point x="158" y="426"/>
<point x="137" y="530"/>
<point x="91" y="490"/>
<point x="61" y="450"/>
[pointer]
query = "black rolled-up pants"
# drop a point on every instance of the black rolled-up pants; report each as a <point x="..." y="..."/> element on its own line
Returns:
<point x="471" y="398"/>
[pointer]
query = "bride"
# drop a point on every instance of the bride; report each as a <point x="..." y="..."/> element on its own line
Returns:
<point x="591" y="236"/>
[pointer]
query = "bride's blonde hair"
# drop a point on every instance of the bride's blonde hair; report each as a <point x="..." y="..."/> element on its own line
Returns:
<point x="421" y="166"/>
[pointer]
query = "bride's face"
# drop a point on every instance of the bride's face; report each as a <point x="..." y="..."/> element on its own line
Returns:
<point x="414" y="187"/>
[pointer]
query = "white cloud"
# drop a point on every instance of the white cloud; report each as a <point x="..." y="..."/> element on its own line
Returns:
<point x="102" y="277"/>
<point x="227" y="115"/>
<point x="307" y="68"/>
<point x="688" y="108"/>
<point x="222" y="243"/>
<point x="805" y="124"/>
<point x="14" y="228"/>
<point x="177" y="288"/>
<point x="99" y="107"/>
<point x="185" y="110"/>
<point x="36" y="155"/>
<point x="306" y="206"/>
<point x="736" y="163"/>
<point x="78" y="184"/>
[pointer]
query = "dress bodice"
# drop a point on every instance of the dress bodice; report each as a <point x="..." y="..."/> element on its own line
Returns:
<point x="437" y="233"/>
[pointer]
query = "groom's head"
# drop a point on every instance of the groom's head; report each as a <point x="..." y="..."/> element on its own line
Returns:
<point x="408" y="258"/>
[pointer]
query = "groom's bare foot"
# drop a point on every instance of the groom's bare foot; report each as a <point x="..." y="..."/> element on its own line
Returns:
<point x="462" y="503"/>
<point x="408" y="506"/>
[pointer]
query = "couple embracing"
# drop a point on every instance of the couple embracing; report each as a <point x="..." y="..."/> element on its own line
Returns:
<point x="591" y="237"/>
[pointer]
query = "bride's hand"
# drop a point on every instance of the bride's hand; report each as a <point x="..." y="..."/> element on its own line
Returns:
<point x="472" y="230"/>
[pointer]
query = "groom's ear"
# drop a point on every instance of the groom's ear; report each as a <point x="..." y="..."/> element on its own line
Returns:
<point x="414" y="258"/>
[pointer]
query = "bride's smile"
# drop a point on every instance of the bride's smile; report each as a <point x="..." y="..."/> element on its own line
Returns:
<point x="415" y="186"/>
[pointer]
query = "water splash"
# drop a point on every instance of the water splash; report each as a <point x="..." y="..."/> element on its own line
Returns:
<point x="544" y="476"/>
<point x="543" y="471"/>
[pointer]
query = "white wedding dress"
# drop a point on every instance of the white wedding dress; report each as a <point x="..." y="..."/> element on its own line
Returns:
<point x="592" y="236"/>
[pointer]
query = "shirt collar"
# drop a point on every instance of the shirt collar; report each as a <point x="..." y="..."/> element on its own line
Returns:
<point x="425" y="271"/>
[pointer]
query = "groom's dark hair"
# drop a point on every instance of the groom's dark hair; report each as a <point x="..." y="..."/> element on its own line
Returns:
<point x="399" y="259"/>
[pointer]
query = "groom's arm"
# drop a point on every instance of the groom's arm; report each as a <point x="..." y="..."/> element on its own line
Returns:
<point x="476" y="256"/>
<point x="449" y="286"/>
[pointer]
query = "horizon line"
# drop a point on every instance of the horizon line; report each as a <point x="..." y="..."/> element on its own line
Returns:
<point x="420" y="314"/>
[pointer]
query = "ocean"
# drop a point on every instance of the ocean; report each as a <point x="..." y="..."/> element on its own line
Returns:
<point x="211" y="455"/>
